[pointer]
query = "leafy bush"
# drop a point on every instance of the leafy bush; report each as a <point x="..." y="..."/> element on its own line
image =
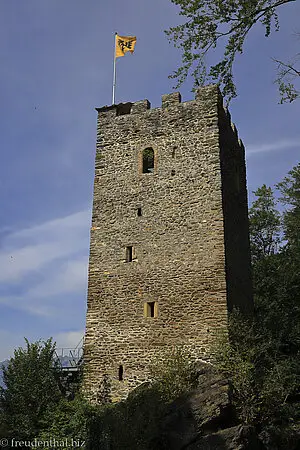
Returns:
<point x="265" y="381"/>
<point x="67" y="420"/>
<point x="176" y="374"/>
<point x="134" y="423"/>
<point x="31" y="388"/>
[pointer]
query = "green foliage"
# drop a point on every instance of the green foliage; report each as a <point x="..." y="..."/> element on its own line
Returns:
<point x="176" y="374"/>
<point x="276" y="276"/>
<point x="287" y="90"/>
<point x="31" y="388"/>
<point x="4" y="430"/>
<point x="148" y="153"/>
<point x="264" y="223"/>
<point x="290" y="196"/>
<point x="276" y="264"/>
<point x="236" y="358"/>
<point x="208" y="22"/>
<point x="264" y="379"/>
<point x="287" y="74"/>
<point x="261" y="358"/>
<point x="135" y="423"/>
<point x="66" y="420"/>
<point x="33" y="406"/>
<point x="277" y="298"/>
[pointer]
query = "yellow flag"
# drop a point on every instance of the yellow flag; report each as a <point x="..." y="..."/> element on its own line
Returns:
<point x="124" y="44"/>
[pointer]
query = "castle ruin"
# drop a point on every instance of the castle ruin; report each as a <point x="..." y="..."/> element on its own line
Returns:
<point x="169" y="251"/>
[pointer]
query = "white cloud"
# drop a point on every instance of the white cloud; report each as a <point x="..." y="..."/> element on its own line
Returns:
<point x="69" y="339"/>
<point x="46" y="261"/>
<point x="272" y="146"/>
<point x="31" y="249"/>
<point x="71" y="277"/>
<point x="53" y="228"/>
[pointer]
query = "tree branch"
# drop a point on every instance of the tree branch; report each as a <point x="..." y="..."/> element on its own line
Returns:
<point x="297" y="72"/>
<point x="260" y="13"/>
<point x="206" y="20"/>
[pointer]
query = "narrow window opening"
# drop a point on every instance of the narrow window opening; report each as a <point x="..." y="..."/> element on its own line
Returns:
<point x="148" y="160"/>
<point x="173" y="172"/>
<point x="121" y="373"/>
<point x="150" y="309"/>
<point x="139" y="212"/>
<point x="173" y="152"/>
<point x="129" y="254"/>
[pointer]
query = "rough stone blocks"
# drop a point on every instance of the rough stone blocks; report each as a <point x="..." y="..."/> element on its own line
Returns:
<point x="169" y="252"/>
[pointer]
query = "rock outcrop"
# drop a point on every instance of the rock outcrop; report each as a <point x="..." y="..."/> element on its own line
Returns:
<point x="205" y="419"/>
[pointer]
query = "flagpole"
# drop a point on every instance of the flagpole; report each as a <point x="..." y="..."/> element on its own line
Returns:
<point x="114" y="75"/>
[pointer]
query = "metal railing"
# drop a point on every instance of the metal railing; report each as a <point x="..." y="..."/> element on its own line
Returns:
<point x="69" y="358"/>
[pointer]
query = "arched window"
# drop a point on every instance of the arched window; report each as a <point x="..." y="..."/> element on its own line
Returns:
<point x="148" y="160"/>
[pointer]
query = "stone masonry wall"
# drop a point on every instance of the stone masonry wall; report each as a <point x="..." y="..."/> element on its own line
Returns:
<point x="179" y="250"/>
<point x="235" y="210"/>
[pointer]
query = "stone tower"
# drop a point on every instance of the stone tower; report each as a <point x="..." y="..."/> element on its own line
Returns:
<point x="169" y="254"/>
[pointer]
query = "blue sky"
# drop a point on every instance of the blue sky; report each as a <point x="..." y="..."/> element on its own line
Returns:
<point x="56" y="67"/>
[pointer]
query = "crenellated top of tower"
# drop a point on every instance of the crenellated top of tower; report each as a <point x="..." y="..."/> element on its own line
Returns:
<point x="207" y="98"/>
<point x="202" y="94"/>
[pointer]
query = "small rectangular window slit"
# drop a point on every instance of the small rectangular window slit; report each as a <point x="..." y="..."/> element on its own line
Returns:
<point x="139" y="212"/>
<point x="121" y="371"/>
<point x="129" y="254"/>
<point x="150" y="309"/>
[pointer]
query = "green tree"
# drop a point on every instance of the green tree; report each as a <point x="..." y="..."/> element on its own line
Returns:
<point x="67" y="420"/>
<point x="290" y="197"/>
<point x="262" y="356"/>
<point x="176" y="374"/>
<point x="211" y="21"/>
<point x="265" y="380"/>
<point x="276" y="264"/>
<point x="30" y="388"/>
<point x="264" y="223"/>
